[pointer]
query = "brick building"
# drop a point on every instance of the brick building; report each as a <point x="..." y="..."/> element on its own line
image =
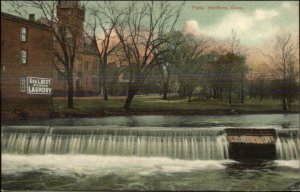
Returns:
<point x="86" y="66"/>
<point x="26" y="68"/>
<point x="26" y="52"/>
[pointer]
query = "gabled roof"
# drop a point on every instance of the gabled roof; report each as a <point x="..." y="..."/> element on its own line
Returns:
<point x="22" y="20"/>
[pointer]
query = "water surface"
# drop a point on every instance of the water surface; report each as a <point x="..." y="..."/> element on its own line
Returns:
<point x="145" y="153"/>
<point x="212" y="121"/>
<point x="89" y="172"/>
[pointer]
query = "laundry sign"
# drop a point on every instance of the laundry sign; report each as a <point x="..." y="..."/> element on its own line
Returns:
<point x="39" y="86"/>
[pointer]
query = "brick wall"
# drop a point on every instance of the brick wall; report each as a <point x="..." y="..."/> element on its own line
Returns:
<point x="86" y="76"/>
<point x="39" y="54"/>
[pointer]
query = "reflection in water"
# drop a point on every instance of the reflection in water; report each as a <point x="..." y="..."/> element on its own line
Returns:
<point x="265" y="121"/>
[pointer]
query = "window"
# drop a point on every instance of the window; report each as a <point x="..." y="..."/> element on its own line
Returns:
<point x="94" y="67"/>
<point x="23" y="34"/>
<point x="23" y="84"/>
<point x="23" y="56"/>
<point x="79" y="66"/>
<point x="86" y="65"/>
<point x="86" y="80"/>
<point x="94" y="81"/>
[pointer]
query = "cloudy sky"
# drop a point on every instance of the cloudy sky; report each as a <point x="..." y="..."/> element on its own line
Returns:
<point x="255" y="22"/>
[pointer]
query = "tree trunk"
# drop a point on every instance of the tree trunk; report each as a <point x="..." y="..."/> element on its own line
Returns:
<point x="290" y="100"/>
<point x="105" y="95"/>
<point x="130" y="95"/>
<point x="230" y="93"/>
<point x="103" y="81"/>
<point x="70" y="91"/>
<point x="165" y="97"/>
<point x="284" y="104"/>
<point x="242" y="91"/>
<point x="181" y="90"/>
<point x="165" y="90"/>
<point x="250" y="92"/>
<point x="251" y="87"/>
<point x="112" y="89"/>
<point x="190" y="98"/>
<point x="190" y="94"/>
<point x="215" y="93"/>
<point x="51" y="102"/>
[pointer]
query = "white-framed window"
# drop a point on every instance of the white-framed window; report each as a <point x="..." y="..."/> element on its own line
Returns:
<point x="23" y="56"/>
<point x="22" y="84"/>
<point x="23" y="34"/>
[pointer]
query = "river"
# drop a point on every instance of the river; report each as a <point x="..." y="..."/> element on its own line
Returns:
<point x="145" y="153"/>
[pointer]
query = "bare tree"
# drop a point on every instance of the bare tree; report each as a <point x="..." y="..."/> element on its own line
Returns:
<point x="140" y="32"/>
<point x="168" y="61"/>
<point x="189" y="61"/>
<point x="283" y="59"/>
<point x="225" y="69"/>
<point x="234" y="44"/>
<point x="235" y="48"/>
<point x="66" y="33"/>
<point x="214" y="75"/>
<point x="104" y="17"/>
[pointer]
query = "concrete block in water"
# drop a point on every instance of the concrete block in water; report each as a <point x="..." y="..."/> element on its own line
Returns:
<point x="247" y="144"/>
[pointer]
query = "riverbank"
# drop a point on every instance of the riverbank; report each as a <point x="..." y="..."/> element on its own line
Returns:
<point x="145" y="105"/>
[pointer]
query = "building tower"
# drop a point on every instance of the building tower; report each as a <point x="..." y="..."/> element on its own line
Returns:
<point x="72" y="13"/>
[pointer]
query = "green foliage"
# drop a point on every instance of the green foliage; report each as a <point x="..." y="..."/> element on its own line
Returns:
<point x="189" y="60"/>
<point x="224" y="71"/>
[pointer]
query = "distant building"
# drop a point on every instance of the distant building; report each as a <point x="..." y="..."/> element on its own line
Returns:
<point x="86" y="66"/>
<point x="26" y="58"/>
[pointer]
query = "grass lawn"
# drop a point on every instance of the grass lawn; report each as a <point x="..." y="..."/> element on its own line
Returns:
<point x="155" y="103"/>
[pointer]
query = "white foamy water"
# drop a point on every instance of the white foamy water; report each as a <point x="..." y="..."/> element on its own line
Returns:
<point x="291" y="163"/>
<point x="131" y="173"/>
<point x="183" y="143"/>
<point x="190" y="144"/>
<point x="92" y="164"/>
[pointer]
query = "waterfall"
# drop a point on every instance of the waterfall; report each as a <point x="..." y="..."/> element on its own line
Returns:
<point x="183" y="143"/>
<point x="286" y="144"/>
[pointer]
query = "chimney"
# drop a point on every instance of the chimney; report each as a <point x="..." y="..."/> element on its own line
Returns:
<point x="31" y="17"/>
